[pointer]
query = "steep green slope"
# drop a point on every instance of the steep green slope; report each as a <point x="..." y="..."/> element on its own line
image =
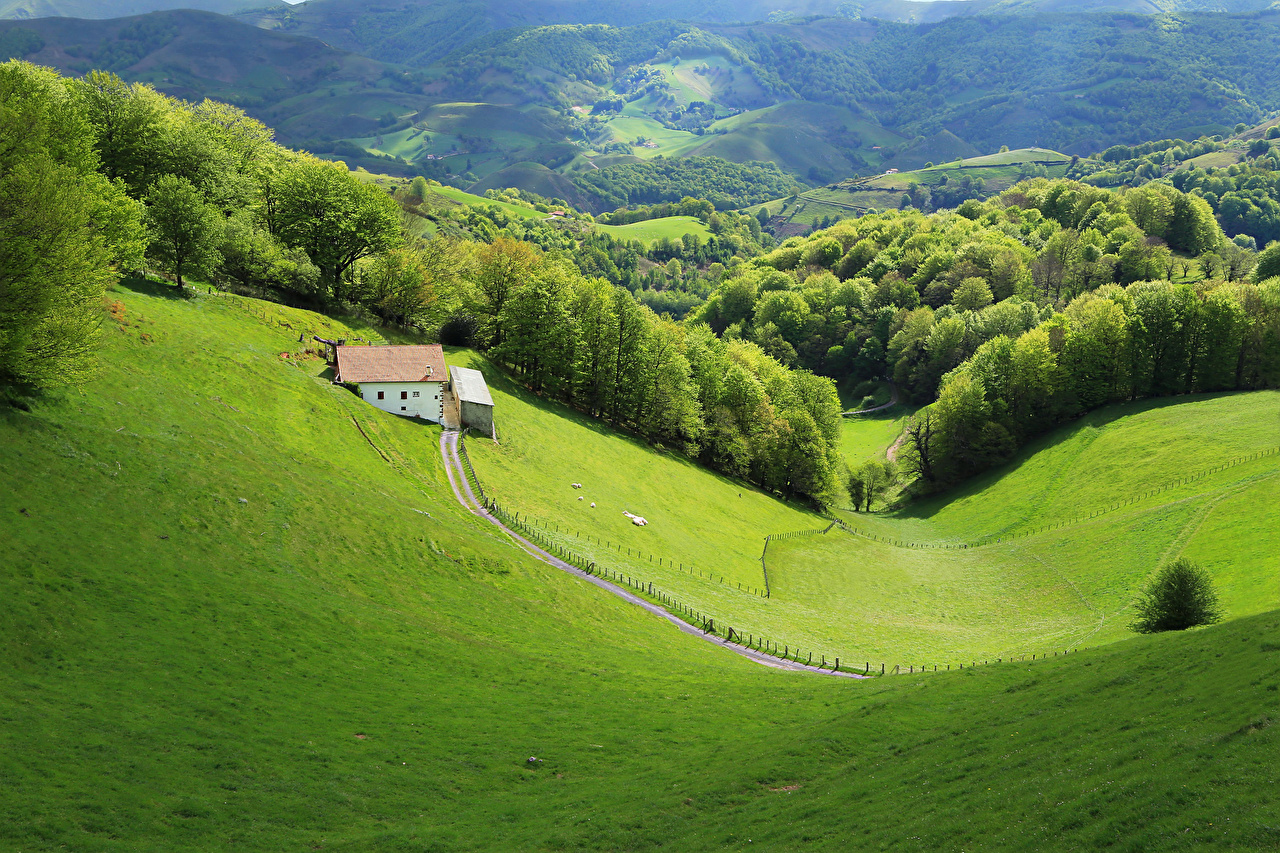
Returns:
<point x="232" y="623"/>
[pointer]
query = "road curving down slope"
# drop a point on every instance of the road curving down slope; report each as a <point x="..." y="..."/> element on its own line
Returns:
<point x="462" y="491"/>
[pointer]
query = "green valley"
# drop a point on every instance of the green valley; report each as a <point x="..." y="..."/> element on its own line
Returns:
<point x="271" y="633"/>
<point x="828" y="481"/>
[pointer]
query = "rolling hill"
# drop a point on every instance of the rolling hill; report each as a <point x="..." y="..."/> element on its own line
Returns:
<point x="274" y="628"/>
<point x="825" y="97"/>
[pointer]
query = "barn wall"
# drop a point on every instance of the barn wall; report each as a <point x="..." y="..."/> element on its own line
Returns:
<point x="477" y="416"/>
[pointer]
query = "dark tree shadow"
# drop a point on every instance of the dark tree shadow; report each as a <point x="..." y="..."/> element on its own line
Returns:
<point x="151" y="287"/>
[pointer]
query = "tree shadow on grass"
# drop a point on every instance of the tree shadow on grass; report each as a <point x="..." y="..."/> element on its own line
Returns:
<point x="927" y="507"/>
<point x="152" y="287"/>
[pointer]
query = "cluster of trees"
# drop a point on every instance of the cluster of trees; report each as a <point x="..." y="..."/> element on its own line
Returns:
<point x="150" y="181"/>
<point x="726" y="185"/>
<point x="686" y="206"/>
<point x="589" y="343"/>
<point x="1016" y="313"/>
<point x="63" y="225"/>
<point x="1244" y="196"/>
<point x="910" y="296"/>
<point x="670" y="275"/>
<point x="1152" y="338"/>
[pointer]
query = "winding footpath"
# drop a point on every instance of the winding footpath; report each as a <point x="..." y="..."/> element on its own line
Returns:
<point x="462" y="491"/>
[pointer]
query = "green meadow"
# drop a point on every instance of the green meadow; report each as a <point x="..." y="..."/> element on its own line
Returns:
<point x="243" y="611"/>
<point x="1043" y="565"/>
<point x="671" y="227"/>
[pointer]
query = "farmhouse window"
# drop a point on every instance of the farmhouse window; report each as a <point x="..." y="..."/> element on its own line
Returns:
<point x="402" y="408"/>
<point x="415" y="393"/>
<point x="404" y="395"/>
<point x="382" y="395"/>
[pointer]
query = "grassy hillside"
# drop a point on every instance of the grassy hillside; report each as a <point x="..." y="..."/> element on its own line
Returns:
<point x="1019" y="588"/>
<point x="671" y="227"/>
<point x="855" y="196"/>
<point x="695" y="517"/>
<point x="244" y="611"/>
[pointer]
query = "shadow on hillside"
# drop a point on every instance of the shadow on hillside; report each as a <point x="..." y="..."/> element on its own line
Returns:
<point x="927" y="507"/>
<point x="893" y="413"/>
<point x="152" y="287"/>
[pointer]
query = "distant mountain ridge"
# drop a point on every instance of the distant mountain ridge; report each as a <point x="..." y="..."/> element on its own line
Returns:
<point x="102" y="9"/>
<point x="482" y="92"/>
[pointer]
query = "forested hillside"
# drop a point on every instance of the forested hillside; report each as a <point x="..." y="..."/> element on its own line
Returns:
<point x="25" y="9"/>
<point x="1017" y="313"/>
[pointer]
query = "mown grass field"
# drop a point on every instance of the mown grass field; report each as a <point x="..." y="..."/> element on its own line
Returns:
<point x="695" y="517"/>
<point x="243" y="611"/>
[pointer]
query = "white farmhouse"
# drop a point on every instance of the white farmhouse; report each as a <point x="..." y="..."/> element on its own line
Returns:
<point x="405" y="381"/>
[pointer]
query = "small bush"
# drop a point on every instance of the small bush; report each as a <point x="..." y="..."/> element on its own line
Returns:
<point x="1180" y="596"/>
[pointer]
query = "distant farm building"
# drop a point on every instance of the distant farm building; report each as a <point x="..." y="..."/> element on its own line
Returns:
<point x="405" y="381"/>
<point x="474" y="403"/>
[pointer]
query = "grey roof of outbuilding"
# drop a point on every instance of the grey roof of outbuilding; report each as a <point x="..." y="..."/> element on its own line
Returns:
<point x="469" y="386"/>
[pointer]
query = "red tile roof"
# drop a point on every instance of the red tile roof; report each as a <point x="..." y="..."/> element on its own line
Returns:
<point x="392" y="364"/>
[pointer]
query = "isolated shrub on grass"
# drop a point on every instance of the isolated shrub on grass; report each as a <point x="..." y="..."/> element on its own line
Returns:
<point x="1180" y="596"/>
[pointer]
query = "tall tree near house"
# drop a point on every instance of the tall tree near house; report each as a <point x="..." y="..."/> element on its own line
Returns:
<point x="337" y="220"/>
<point x="501" y="266"/>
<point x="184" y="227"/>
<point x="540" y="331"/>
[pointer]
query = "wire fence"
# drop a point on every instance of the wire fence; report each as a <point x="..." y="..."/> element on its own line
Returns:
<point x="539" y="533"/>
<point x="764" y="553"/>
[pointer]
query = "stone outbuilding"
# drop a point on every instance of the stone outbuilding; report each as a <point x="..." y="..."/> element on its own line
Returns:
<point x="474" y="402"/>
<point x="407" y="381"/>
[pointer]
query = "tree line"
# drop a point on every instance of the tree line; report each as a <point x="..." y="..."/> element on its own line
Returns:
<point x="98" y="177"/>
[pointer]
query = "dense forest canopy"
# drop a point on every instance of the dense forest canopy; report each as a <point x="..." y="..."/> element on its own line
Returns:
<point x="1016" y="313"/>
